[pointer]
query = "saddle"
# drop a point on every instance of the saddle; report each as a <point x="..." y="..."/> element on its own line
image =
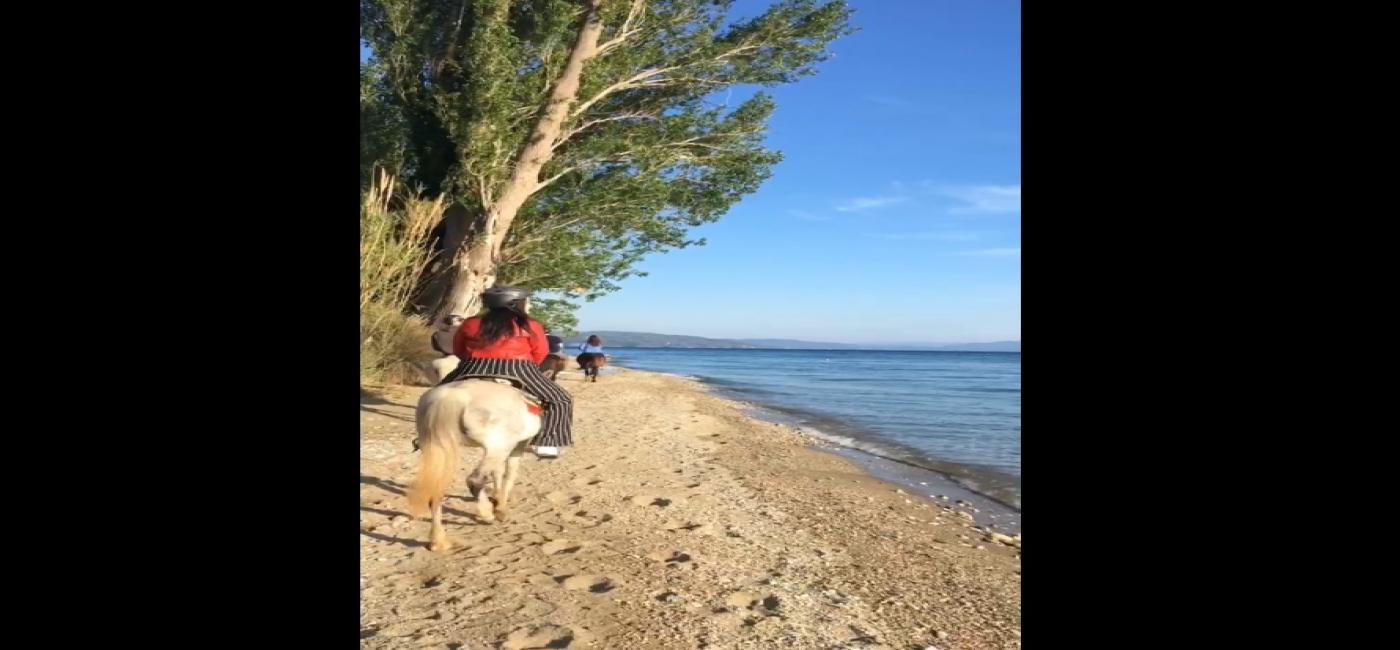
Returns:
<point x="533" y="403"/>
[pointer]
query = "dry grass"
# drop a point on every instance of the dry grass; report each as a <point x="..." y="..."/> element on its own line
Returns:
<point x="394" y="239"/>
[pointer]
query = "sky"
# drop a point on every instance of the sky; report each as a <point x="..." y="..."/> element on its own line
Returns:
<point x="895" y="216"/>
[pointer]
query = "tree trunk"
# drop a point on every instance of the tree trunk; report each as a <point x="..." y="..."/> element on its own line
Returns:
<point x="456" y="226"/>
<point x="478" y="261"/>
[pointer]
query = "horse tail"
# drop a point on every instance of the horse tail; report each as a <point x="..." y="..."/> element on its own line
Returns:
<point x="439" y="422"/>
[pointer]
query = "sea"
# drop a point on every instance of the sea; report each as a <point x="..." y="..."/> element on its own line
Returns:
<point x="956" y="414"/>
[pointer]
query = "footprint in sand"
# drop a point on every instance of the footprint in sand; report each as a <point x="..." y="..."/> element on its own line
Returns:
<point x="591" y="583"/>
<point x="502" y="551"/>
<point x="672" y="558"/>
<point x="649" y="500"/>
<point x="539" y="637"/>
<point x="746" y="600"/>
<point x="687" y="526"/>
<point x="586" y="519"/>
<point x="532" y="538"/>
<point x="741" y="600"/>
<point x="561" y="546"/>
<point x="562" y="498"/>
<point x="587" y="482"/>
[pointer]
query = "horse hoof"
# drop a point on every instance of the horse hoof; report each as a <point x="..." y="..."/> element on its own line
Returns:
<point x="440" y="546"/>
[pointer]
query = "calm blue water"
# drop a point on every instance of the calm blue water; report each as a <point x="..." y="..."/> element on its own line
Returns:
<point x="957" y="413"/>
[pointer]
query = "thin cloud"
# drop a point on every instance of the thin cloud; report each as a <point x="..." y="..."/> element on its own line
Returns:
<point x="982" y="199"/>
<point x="989" y="199"/>
<point x="869" y="203"/>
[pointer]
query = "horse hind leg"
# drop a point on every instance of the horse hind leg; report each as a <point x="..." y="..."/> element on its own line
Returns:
<point x="501" y="499"/>
<point x="491" y="468"/>
<point x="476" y="485"/>
<point x="437" y="540"/>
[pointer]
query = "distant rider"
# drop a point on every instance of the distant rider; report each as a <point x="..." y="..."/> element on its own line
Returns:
<point x="593" y="345"/>
<point x="556" y="345"/>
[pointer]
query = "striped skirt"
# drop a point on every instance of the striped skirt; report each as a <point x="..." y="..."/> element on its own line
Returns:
<point x="557" y="421"/>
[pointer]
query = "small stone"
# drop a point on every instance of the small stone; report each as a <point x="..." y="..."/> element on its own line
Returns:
<point x="898" y="491"/>
<point x="941" y="634"/>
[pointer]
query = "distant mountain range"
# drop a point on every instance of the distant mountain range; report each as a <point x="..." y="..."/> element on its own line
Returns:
<point x="650" y="340"/>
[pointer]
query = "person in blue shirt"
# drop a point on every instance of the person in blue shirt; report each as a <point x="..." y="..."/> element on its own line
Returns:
<point x="591" y="357"/>
<point x="593" y="344"/>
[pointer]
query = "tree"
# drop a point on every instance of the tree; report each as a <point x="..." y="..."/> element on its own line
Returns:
<point x="577" y="136"/>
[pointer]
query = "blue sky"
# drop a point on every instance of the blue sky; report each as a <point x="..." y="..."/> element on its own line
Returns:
<point x="896" y="214"/>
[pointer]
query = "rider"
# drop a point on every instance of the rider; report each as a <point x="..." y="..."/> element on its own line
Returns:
<point x="593" y="344"/>
<point x="556" y="344"/>
<point x="505" y="341"/>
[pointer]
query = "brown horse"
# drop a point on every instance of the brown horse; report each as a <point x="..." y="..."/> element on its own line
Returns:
<point x="552" y="366"/>
<point x="590" y="362"/>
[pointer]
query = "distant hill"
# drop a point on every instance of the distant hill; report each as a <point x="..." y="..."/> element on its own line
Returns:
<point x="790" y="344"/>
<point x="650" y="340"/>
<point x="995" y="346"/>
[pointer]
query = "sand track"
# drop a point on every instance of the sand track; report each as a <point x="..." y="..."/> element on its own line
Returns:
<point x="675" y="522"/>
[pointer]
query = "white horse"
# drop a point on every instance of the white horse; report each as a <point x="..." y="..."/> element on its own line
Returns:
<point x="482" y="412"/>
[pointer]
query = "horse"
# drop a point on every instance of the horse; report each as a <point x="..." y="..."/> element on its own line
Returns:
<point x="552" y="366"/>
<point x="478" y="411"/>
<point x="590" y="362"/>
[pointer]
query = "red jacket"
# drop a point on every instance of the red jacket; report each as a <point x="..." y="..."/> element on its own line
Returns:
<point x="526" y="346"/>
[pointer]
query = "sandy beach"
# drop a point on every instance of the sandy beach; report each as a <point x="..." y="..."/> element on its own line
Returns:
<point x="677" y="521"/>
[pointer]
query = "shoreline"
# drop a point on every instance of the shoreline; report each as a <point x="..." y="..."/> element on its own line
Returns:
<point x="679" y="521"/>
<point x="933" y="482"/>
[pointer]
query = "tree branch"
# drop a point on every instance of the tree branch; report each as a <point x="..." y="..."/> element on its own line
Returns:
<point x="630" y="82"/>
<point x="626" y="29"/>
<point x="592" y="123"/>
<point x="644" y="78"/>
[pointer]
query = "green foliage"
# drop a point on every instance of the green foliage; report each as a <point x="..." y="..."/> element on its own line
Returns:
<point x="556" y="314"/>
<point x="645" y="155"/>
